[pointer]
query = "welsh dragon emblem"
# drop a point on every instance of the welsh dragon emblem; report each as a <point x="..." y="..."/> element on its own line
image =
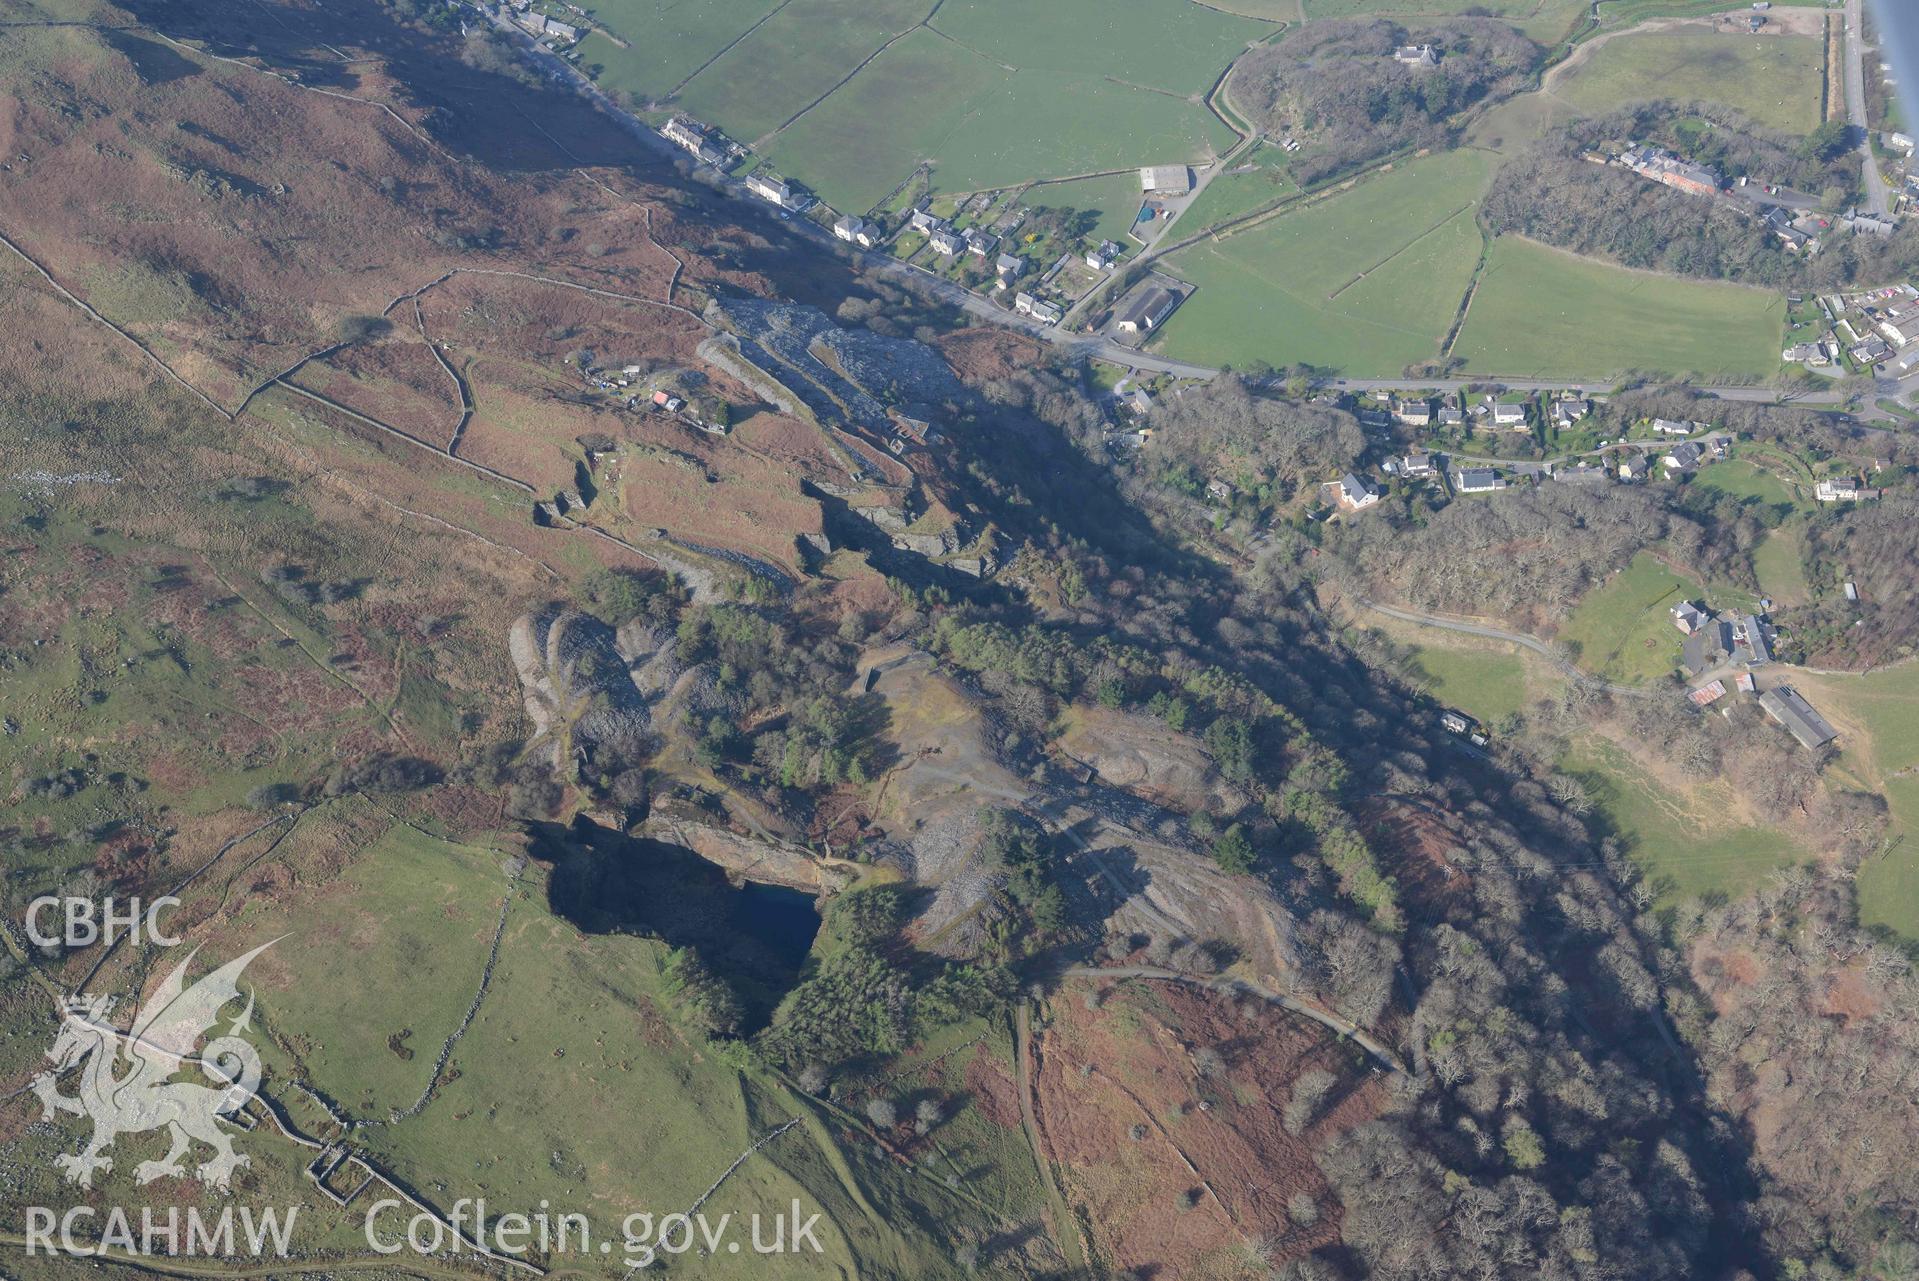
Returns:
<point x="124" y="1075"/>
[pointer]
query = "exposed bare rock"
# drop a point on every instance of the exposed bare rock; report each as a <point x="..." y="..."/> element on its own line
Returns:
<point x="1142" y="756"/>
<point x="579" y="692"/>
<point x="1117" y="875"/>
<point x="751" y="858"/>
<point x="1168" y="893"/>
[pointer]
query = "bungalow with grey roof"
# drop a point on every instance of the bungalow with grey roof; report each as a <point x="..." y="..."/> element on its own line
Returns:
<point x="1682" y="457"/>
<point x="1508" y="414"/>
<point x="1570" y="410"/>
<point x="1357" y="492"/>
<point x="1476" y="480"/>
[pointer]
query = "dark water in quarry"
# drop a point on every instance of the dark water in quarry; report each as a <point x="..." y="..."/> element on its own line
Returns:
<point x="755" y="936"/>
<point x="784" y="920"/>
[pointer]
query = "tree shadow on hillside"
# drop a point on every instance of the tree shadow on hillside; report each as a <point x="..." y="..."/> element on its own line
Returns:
<point x="155" y="63"/>
<point x="485" y="103"/>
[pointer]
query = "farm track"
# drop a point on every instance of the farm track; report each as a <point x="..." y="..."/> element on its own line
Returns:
<point x="1303" y="1006"/>
<point x="1068" y="1235"/>
<point x="459" y="383"/>
<point x="1533" y="643"/>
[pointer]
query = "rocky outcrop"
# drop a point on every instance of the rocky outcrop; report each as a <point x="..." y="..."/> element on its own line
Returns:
<point x="1125" y="860"/>
<point x="1141" y="755"/>
<point x="749" y="858"/>
<point x="578" y="679"/>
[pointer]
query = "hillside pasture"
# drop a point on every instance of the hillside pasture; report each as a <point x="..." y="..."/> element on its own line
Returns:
<point x="1745" y="479"/>
<point x="1778" y="81"/>
<point x="1174" y="46"/>
<point x="666" y="41"/>
<point x="793" y="59"/>
<point x="1364" y="281"/>
<point x="1621" y="629"/>
<point x="927" y="99"/>
<point x="1543" y="20"/>
<point x="1114" y="198"/>
<point x="1780" y="563"/>
<point x="1543" y="312"/>
<point x="1230" y="195"/>
<point x="1691" y="841"/>
<point x="377" y="962"/>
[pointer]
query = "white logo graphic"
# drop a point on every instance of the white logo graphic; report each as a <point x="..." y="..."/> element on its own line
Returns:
<point x="124" y="1076"/>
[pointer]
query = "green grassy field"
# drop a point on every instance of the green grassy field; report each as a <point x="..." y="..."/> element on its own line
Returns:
<point x="1878" y="719"/>
<point x="964" y="94"/>
<point x="1171" y="45"/>
<point x="666" y="40"/>
<point x="1543" y="20"/>
<point x="1116" y="198"/>
<point x="1622" y="630"/>
<point x="1627" y="13"/>
<point x="1743" y="478"/>
<point x="577" y="1032"/>
<point x="1889" y="885"/>
<point x="1685" y="844"/>
<point x="1365" y="281"/>
<point x="375" y="969"/>
<point x="1780" y="563"/>
<point x="928" y="99"/>
<point x="1886" y="704"/>
<point x="795" y="57"/>
<point x="1485" y="684"/>
<point x="1267" y="10"/>
<point x="1776" y="80"/>
<point x="1541" y="312"/>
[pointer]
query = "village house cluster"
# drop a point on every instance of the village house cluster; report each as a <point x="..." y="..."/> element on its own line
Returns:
<point x="547" y="29"/>
<point x="989" y="242"/>
<point x="1874" y="331"/>
<point x="1669" y="447"/>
